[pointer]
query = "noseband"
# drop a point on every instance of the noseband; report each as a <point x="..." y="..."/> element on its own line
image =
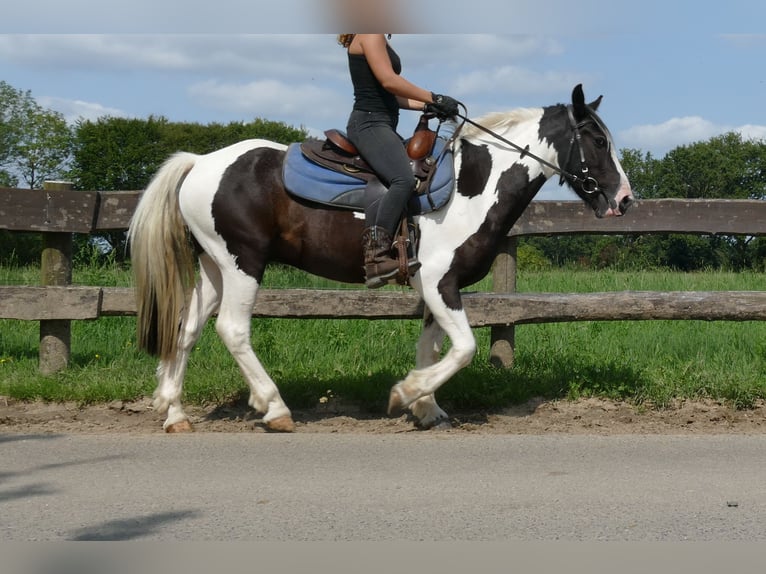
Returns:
<point x="588" y="184"/>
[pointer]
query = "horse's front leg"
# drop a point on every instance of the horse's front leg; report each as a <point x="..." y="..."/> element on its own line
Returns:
<point x="233" y="326"/>
<point x="425" y="410"/>
<point x="422" y="382"/>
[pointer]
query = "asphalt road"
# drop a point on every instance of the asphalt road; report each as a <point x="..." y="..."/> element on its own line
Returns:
<point x="416" y="486"/>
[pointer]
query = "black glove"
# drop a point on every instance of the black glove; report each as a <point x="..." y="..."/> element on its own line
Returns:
<point x="443" y="107"/>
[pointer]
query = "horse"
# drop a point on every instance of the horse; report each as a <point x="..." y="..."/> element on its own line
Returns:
<point x="231" y="211"/>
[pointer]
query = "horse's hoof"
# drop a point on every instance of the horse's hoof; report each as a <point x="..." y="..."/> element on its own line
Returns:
<point x="437" y="425"/>
<point x="396" y="407"/>
<point x="281" y="424"/>
<point x="183" y="426"/>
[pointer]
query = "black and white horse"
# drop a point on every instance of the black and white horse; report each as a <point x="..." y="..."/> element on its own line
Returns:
<point x="233" y="204"/>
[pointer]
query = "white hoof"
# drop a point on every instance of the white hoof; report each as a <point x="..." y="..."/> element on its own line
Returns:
<point x="434" y="425"/>
<point x="181" y="427"/>
<point x="396" y="403"/>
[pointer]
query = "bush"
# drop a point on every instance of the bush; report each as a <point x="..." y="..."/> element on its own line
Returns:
<point x="530" y="258"/>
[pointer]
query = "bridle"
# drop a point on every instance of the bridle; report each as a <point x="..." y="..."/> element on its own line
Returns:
<point x="588" y="184"/>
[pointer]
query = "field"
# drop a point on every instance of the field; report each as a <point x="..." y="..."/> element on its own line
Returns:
<point x="645" y="363"/>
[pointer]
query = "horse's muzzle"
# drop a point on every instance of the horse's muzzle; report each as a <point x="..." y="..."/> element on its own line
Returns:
<point x="626" y="204"/>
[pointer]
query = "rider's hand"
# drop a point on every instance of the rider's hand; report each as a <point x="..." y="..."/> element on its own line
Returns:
<point x="443" y="107"/>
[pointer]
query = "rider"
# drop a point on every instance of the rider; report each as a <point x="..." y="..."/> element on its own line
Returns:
<point x="379" y="93"/>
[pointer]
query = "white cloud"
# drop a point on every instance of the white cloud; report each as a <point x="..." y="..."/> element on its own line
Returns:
<point x="515" y="80"/>
<point x="271" y="99"/>
<point x="74" y="110"/>
<point x="90" y="51"/>
<point x="168" y="16"/>
<point x="661" y="138"/>
<point x="234" y="16"/>
<point x="224" y="54"/>
<point x="753" y="132"/>
<point x="291" y="55"/>
<point x="459" y="50"/>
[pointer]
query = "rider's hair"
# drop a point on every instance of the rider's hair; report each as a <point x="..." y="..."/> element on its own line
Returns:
<point x="345" y="39"/>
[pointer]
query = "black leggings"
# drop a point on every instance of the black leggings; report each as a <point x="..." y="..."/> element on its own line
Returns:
<point x="374" y="135"/>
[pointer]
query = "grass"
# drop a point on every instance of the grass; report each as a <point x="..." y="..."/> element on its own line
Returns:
<point x="650" y="362"/>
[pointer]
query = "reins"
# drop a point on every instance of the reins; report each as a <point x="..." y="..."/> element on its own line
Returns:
<point x="588" y="183"/>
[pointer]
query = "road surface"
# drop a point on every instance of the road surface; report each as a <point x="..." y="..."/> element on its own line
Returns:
<point x="415" y="486"/>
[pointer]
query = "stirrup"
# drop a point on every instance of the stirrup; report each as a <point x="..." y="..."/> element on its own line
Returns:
<point x="407" y="266"/>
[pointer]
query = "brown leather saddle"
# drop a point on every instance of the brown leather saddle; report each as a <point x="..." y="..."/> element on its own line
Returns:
<point x="339" y="154"/>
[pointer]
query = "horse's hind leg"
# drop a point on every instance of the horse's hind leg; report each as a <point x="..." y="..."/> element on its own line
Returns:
<point x="170" y="373"/>
<point x="233" y="326"/>
<point x="427" y="412"/>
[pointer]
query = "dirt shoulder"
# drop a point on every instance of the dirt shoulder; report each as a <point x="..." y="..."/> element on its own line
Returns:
<point x="588" y="416"/>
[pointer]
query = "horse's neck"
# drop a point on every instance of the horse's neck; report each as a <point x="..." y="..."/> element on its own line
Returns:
<point x="513" y="180"/>
<point x="525" y="134"/>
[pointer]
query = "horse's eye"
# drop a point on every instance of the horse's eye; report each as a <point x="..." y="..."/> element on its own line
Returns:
<point x="600" y="141"/>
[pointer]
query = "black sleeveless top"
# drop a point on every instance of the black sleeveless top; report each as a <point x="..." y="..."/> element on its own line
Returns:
<point x="369" y="94"/>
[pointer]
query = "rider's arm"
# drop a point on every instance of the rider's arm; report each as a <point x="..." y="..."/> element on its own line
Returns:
<point x="409" y="104"/>
<point x="374" y="48"/>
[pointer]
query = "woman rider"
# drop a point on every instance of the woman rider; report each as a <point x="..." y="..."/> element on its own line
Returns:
<point x="379" y="93"/>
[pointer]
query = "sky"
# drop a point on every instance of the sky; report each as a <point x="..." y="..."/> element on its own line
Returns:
<point x="671" y="73"/>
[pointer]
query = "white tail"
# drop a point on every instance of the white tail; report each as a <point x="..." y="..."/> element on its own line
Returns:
<point x="162" y="258"/>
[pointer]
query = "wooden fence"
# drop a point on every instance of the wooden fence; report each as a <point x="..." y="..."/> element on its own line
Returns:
<point x="57" y="212"/>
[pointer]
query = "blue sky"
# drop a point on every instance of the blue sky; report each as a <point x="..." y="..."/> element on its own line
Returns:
<point x="671" y="73"/>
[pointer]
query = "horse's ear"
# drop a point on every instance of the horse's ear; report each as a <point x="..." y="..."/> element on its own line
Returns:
<point x="595" y="103"/>
<point x="578" y="103"/>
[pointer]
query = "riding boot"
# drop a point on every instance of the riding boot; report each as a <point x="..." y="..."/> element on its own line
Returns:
<point x="381" y="265"/>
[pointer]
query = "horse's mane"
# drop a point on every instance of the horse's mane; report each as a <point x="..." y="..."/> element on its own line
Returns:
<point x="498" y="121"/>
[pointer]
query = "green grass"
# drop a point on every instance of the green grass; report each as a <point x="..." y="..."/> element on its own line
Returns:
<point x="644" y="362"/>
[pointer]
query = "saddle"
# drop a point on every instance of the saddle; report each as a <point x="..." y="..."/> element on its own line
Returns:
<point x="332" y="173"/>
<point x="337" y="153"/>
<point x="321" y="173"/>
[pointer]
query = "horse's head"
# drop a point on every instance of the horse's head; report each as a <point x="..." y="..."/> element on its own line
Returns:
<point x="590" y="161"/>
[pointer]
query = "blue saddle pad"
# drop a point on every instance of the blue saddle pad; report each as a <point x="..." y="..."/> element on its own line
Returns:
<point x="314" y="183"/>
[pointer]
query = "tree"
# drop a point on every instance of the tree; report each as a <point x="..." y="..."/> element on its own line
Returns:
<point x="9" y="103"/>
<point x="724" y="167"/>
<point x="124" y="153"/>
<point x="35" y="143"/>
<point x="34" y="146"/>
<point x="117" y="153"/>
<point x="7" y="180"/>
<point x="44" y="147"/>
<point x="640" y="168"/>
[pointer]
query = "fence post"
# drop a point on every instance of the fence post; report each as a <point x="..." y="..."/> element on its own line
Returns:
<point x="56" y="269"/>
<point x="504" y="281"/>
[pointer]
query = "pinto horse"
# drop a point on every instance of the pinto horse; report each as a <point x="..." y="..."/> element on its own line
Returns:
<point x="230" y="209"/>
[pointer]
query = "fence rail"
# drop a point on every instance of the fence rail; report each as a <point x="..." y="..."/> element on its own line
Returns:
<point x="58" y="211"/>
<point x="64" y="210"/>
<point x="483" y="309"/>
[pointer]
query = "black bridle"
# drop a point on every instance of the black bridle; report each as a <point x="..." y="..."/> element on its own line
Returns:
<point x="588" y="184"/>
